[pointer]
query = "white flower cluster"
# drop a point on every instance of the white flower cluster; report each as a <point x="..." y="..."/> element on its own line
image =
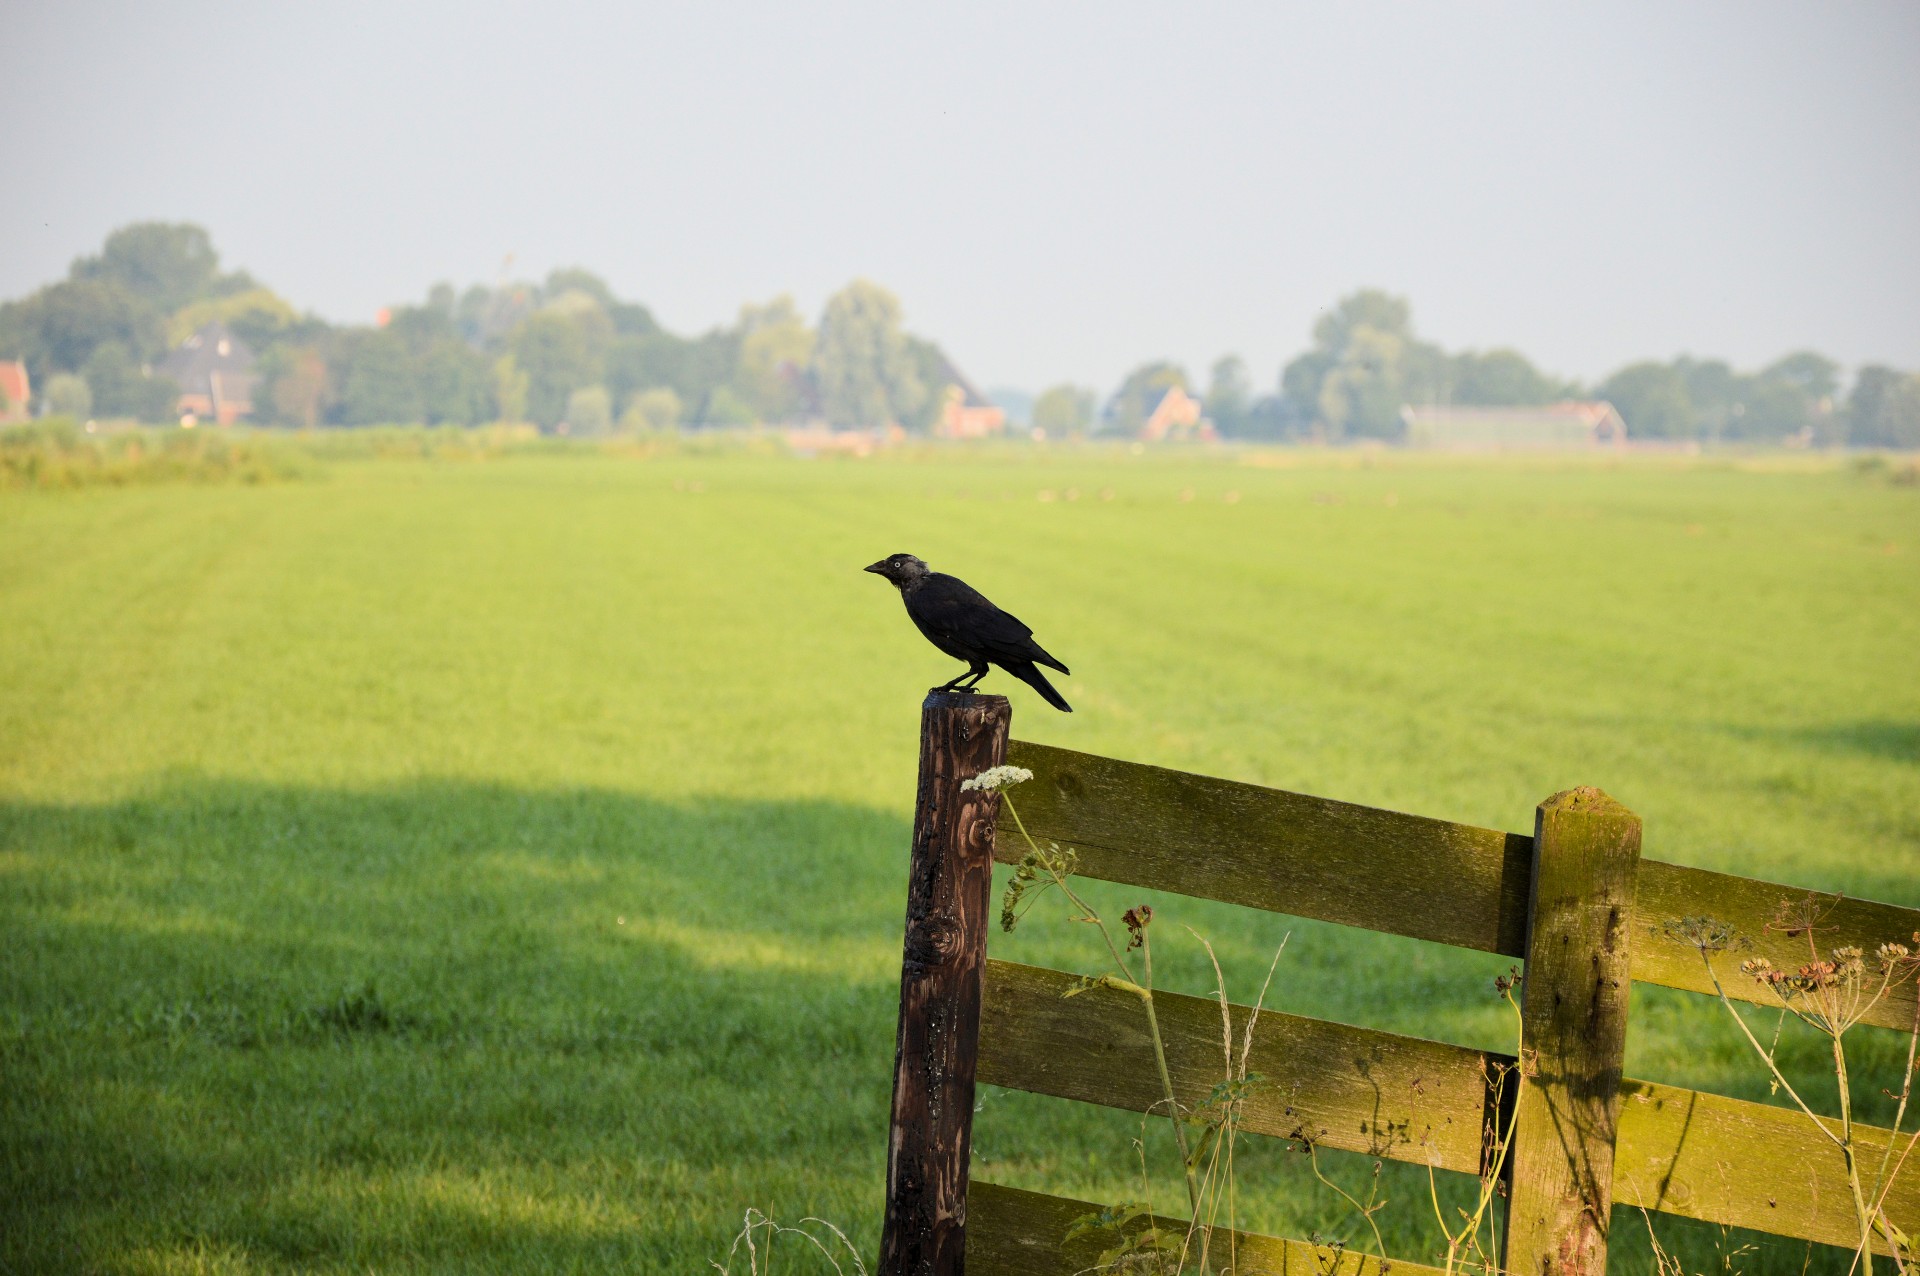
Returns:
<point x="993" y="779"/>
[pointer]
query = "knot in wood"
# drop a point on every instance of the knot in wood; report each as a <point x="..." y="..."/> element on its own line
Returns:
<point x="933" y="941"/>
<point x="977" y="834"/>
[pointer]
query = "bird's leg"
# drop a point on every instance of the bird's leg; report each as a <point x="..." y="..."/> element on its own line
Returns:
<point x="975" y="672"/>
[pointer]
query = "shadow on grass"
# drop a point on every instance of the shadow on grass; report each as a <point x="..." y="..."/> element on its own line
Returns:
<point x="1876" y="738"/>
<point x="448" y="1026"/>
<point x="465" y="1025"/>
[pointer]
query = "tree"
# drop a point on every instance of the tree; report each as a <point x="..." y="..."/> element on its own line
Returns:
<point x="866" y="372"/>
<point x="1715" y="392"/>
<point x="293" y="386"/>
<point x="578" y="279"/>
<point x="724" y="407"/>
<point x="164" y="264"/>
<point x="455" y="385"/>
<point x="590" y="411"/>
<point x="1300" y="383"/>
<point x="1140" y="393"/>
<point x="1883" y="409"/>
<point x="560" y="350"/>
<point x="1369" y="308"/>
<point x="122" y="389"/>
<point x="379" y="384"/>
<point x="58" y="328"/>
<point x="775" y="348"/>
<point x="257" y="316"/>
<point x="1817" y="376"/>
<point x="655" y="409"/>
<point x="510" y="389"/>
<point x="68" y="395"/>
<point x="1063" y="410"/>
<point x="1501" y="378"/>
<point x="1362" y="394"/>
<point x="1229" y="396"/>
<point x="1652" y="399"/>
<point x="1364" y="366"/>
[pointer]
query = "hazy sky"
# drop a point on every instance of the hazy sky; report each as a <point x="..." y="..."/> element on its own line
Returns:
<point x="1055" y="191"/>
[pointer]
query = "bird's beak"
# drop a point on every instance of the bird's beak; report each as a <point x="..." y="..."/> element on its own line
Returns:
<point x="878" y="569"/>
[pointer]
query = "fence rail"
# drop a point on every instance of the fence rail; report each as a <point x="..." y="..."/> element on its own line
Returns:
<point x="1574" y="900"/>
<point x="1678" y="1151"/>
<point x="1386" y="871"/>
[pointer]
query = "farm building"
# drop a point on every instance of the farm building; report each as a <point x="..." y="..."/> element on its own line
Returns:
<point x="16" y="392"/>
<point x="1570" y="425"/>
<point x="1175" y="416"/>
<point x="965" y="413"/>
<point x="214" y="370"/>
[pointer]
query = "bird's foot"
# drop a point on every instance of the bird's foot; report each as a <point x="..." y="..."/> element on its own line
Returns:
<point x="949" y="689"/>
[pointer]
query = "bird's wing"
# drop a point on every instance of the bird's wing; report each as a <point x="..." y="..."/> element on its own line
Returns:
<point x="950" y="611"/>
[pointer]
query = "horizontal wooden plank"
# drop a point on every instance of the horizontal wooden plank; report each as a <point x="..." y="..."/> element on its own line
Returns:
<point x="1669" y="891"/>
<point x="1702" y="1156"/>
<point x="1399" y="874"/>
<point x="1746" y="1165"/>
<point x="1349" y="1088"/>
<point x="1267" y="848"/>
<point x="1011" y="1232"/>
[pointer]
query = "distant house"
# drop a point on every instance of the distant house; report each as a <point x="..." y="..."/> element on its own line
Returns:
<point x="1175" y="415"/>
<point x="1570" y="425"/>
<point x="965" y="413"/>
<point x="214" y="370"/>
<point x="16" y="392"/>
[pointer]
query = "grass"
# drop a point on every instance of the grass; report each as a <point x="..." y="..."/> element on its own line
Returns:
<point x="451" y="865"/>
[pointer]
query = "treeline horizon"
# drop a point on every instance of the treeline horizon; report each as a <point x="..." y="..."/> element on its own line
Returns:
<point x="567" y="352"/>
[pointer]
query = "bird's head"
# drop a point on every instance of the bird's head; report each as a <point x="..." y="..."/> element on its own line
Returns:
<point x="902" y="569"/>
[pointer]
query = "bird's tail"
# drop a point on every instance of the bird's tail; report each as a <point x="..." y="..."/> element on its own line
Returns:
<point x="1026" y="673"/>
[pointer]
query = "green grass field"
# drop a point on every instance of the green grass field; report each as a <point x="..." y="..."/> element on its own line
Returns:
<point x="461" y="866"/>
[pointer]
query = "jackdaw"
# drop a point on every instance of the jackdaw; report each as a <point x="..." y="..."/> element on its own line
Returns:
<point x="958" y="620"/>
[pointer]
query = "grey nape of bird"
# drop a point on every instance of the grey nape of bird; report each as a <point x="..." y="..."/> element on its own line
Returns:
<point x="960" y="621"/>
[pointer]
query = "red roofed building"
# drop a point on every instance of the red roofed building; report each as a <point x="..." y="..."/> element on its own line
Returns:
<point x="965" y="413"/>
<point x="1176" y="415"/>
<point x="16" y="393"/>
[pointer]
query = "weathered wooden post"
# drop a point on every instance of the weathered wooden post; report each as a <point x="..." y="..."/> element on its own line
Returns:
<point x="1586" y="854"/>
<point x="949" y="907"/>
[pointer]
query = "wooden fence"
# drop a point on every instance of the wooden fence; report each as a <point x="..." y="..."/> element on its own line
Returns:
<point x="1575" y="901"/>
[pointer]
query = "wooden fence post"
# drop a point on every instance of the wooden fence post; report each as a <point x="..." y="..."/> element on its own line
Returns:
<point x="1586" y="853"/>
<point x="949" y="907"/>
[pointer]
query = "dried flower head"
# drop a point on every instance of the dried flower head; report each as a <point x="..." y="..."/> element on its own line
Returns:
<point x="1708" y="934"/>
<point x="1137" y="918"/>
<point x="996" y="778"/>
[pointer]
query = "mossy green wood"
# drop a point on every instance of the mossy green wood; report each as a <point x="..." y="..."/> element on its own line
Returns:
<point x="1747" y="1165"/>
<point x="1011" y="1232"/>
<point x="1267" y="848"/>
<point x="1573" y="1035"/>
<point x="1386" y="871"/>
<point x="1349" y="1088"/>
<point x="1668" y="891"/>
<point x="1721" y="1160"/>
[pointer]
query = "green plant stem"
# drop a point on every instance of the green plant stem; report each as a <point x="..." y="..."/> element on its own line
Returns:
<point x="1145" y="994"/>
<point x="1778" y="1076"/>
<point x="1864" y="1256"/>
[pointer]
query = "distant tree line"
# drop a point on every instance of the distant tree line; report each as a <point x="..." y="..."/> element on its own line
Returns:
<point x="565" y="351"/>
<point x="568" y="351"/>
<point x="1366" y="363"/>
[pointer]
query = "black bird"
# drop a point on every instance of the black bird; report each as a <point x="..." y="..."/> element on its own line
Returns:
<point x="959" y="620"/>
